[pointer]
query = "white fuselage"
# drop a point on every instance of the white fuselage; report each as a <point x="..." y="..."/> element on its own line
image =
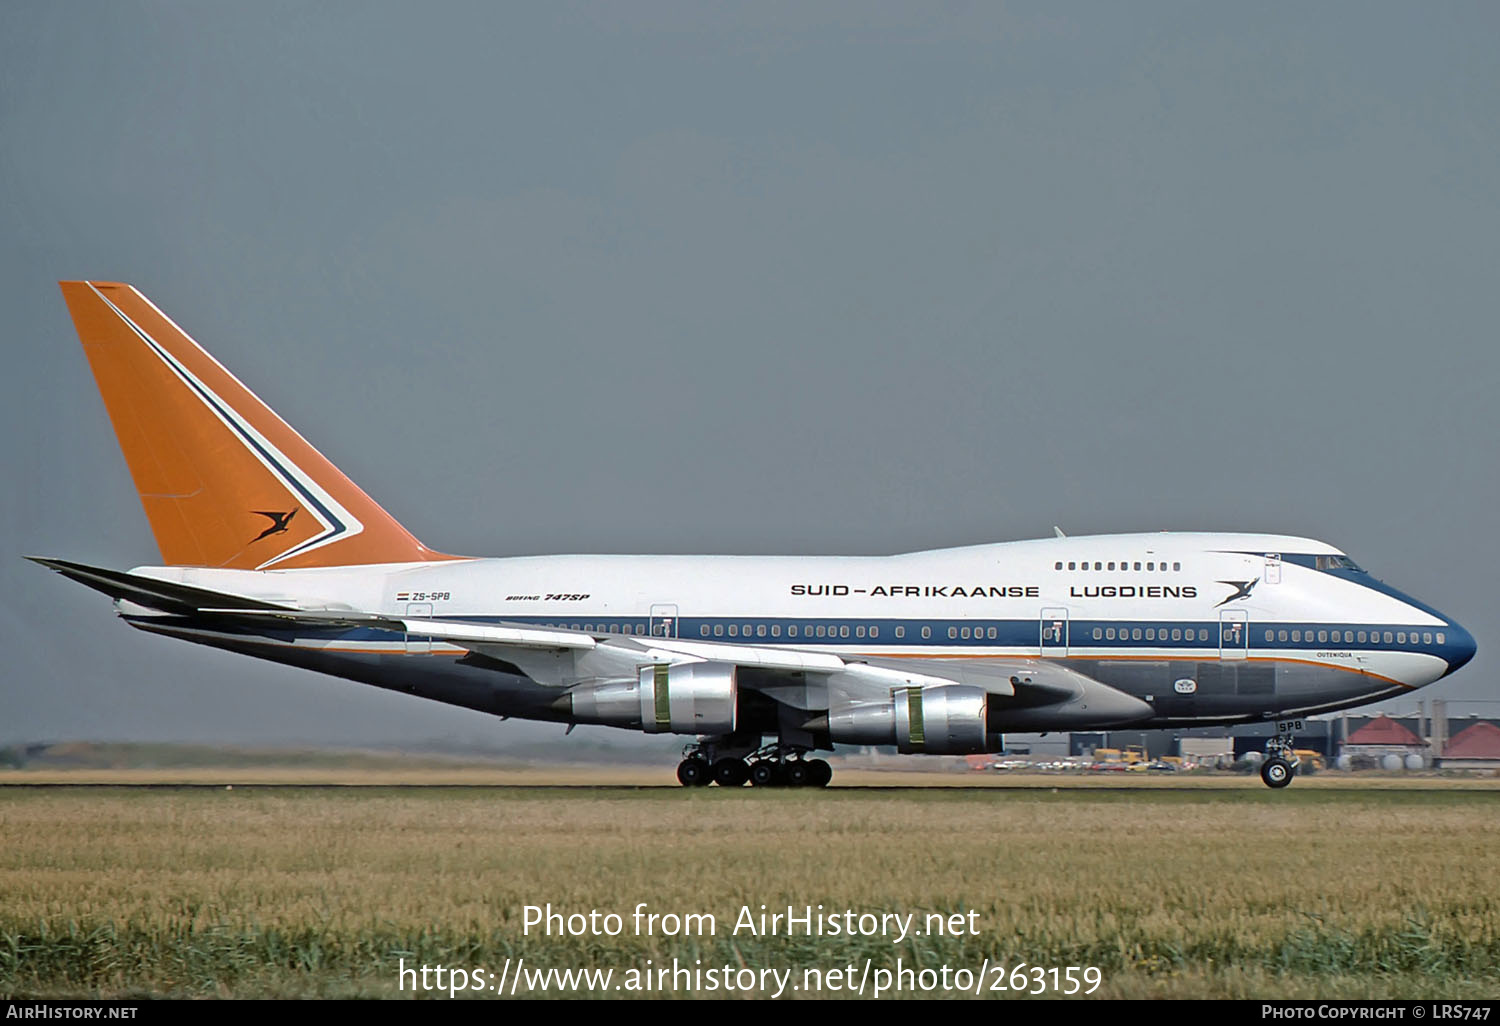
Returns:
<point x="1102" y="603"/>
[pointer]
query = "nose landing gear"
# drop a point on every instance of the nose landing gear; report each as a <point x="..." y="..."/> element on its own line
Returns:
<point x="1281" y="759"/>
<point x="1276" y="772"/>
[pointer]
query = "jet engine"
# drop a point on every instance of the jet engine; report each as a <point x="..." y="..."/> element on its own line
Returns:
<point x="945" y="720"/>
<point x="686" y="698"/>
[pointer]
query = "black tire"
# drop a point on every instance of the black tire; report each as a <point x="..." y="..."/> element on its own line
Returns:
<point x="798" y="774"/>
<point x="693" y="772"/>
<point x="765" y="773"/>
<point x="1276" y="772"/>
<point x="731" y="772"/>
<point x="820" y="773"/>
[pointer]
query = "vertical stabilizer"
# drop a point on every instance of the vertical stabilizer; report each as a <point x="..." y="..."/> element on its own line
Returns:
<point x="225" y="482"/>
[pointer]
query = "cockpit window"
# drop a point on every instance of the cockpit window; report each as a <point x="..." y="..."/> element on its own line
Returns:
<point x="1338" y="563"/>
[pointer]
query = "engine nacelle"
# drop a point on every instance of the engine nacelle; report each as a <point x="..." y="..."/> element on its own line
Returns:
<point x="615" y="703"/>
<point x="693" y="698"/>
<point x="944" y="721"/>
<point x="688" y="698"/>
<point x="862" y="723"/>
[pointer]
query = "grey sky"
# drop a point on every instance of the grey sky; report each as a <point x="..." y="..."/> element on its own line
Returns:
<point x="770" y="277"/>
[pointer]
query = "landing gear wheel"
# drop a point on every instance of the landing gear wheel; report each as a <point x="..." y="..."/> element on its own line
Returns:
<point x="765" y="773"/>
<point x="1276" y="772"/>
<point x="693" y="772"/>
<point x="798" y="774"/>
<point x="819" y="773"/>
<point x="731" y="772"/>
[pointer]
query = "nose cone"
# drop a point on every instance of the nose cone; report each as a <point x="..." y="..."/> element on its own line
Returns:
<point x="1460" y="646"/>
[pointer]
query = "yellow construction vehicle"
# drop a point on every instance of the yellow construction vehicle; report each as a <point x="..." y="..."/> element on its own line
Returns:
<point x="1310" y="761"/>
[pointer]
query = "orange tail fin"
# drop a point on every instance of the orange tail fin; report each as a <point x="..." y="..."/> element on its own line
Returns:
<point x="225" y="482"/>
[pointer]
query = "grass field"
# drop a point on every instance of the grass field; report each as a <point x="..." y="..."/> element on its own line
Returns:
<point x="1335" y="887"/>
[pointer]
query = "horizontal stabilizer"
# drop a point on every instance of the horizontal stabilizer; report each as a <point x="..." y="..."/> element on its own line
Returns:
<point x="146" y="591"/>
<point x="473" y="636"/>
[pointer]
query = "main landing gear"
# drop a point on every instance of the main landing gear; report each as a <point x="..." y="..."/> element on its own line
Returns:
<point x="773" y="765"/>
<point x="1281" y="761"/>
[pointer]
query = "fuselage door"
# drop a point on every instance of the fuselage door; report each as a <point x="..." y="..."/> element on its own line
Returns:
<point x="663" y="620"/>
<point x="1054" y="632"/>
<point x="418" y="644"/>
<point x="1273" y="568"/>
<point x="1234" y="633"/>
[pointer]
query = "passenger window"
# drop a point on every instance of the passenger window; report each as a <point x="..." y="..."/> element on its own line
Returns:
<point x="1400" y="637"/>
<point x="1057" y="567"/>
<point x="1150" y="633"/>
<point x="760" y="630"/>
<point x="1111" y="566"/>
<point x="1135" y="635"/>
<point x="1387" y="637"/>
<point x="993" y="633"/>
<point x="1202" y="633"/>
<point x="1296" y="635"/>
<point x="1441" y="639"/>
<point x="1322" y="637"/>
<point x="1072" y="566"/>
<point x="1176" y="633"/>
<point x="1281" y="635"/>
<point x="844" y="631"/>
<point x="822" y="631"/>
<point x="926" y="632"/>
<point x="1270" y="635"/>
<point x="747" y="630"/>
<point x="791" y="630"/>
<point x="1426" y="638"/>
<point x="874" y="632"/>
<point x="900" y="632"/>
<point x="734" y="630"/>
<point x="1098" y="566"/>
<point x="1150" y="566"/>
<point x="1348" y="637"/>
<point x="1362" y="636"/>
<point x="775" y="630"/>
<point x="964" y="633"/>
<point x="1137" y="565"/>
<point x="1176" y="566"/>
<point x="859" y="631"/>
<point x="952" y="632"/>
<point x="1098" y="633"/>
<point x="703" y="630"/>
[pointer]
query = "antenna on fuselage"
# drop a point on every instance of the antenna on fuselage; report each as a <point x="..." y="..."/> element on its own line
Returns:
<point x="1058" y="531"/>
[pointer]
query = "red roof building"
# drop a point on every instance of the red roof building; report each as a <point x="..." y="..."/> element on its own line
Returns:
<point x="1385" y="733"/>
<point x="1476" y="747"/>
